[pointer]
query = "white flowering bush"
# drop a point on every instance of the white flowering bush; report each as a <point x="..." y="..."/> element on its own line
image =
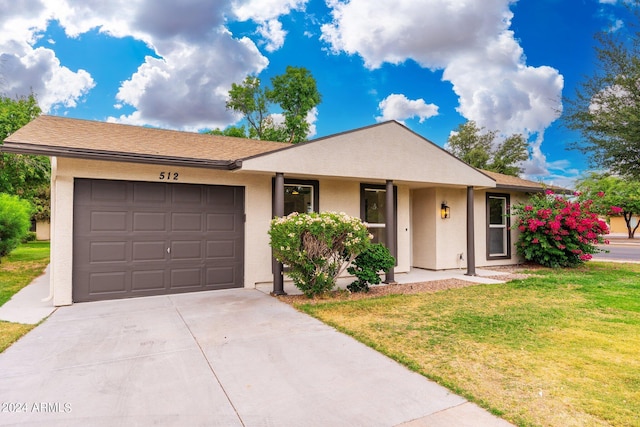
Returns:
<point x="317" y="247"/>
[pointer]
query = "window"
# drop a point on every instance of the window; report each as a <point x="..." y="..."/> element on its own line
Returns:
<point x="300" y="196"/>
<point x="374" y="212"/>
<point x="498" y="236"/>
<point x="373" y="204"/>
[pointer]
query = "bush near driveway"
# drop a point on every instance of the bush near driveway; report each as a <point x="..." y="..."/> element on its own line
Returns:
<point x="15" y="221"/>
<point x="317" y="247"/>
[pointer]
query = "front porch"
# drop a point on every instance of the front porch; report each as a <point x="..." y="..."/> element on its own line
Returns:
<point x="415" y="275"/>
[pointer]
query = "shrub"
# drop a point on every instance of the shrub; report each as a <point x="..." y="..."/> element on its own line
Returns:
<point x="317" y="247"/>
<point x="367" y="266"/>
<point x="15" y="222"/>
<point x="556" y="232"/>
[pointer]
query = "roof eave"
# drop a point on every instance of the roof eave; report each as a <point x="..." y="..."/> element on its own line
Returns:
<point x="112" y="156"/>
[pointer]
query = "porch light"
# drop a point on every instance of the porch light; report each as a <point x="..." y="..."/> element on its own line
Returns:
<point x="444" y="211"/>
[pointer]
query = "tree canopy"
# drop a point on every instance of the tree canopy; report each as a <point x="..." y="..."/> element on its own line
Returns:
<point x="295" y="92"/>
<point x="606" y="107"/>
<point x="611" y="193"/>
<point x="479" y="148"/>
<point x="20" y="174"/>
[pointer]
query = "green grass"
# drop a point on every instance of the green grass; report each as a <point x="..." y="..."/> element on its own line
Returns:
<point x="558" y="349"/>
<point x="17" y="270"/>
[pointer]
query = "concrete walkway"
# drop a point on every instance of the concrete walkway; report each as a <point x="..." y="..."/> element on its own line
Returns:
<point x="29" y="305"/>
<point x="221" y="358"/>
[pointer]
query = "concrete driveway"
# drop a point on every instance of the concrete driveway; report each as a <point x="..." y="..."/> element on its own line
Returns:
<point x="222" y="358"/>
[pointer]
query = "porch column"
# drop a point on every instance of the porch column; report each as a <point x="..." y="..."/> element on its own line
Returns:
<point x="390" y="228"/>
<point x="278" y="211"/>
<point x="471" y="247"/>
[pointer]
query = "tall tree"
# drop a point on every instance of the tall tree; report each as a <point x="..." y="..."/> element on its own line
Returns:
<point x="606" y="107"/>
<point x="609" y="191"/>
<point x="20" y="174"/>
<point x="477" y="147"/>
<point x="295" y="92"/>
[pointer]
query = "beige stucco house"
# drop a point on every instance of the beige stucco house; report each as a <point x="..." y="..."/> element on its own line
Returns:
<point x="139" y="211"/>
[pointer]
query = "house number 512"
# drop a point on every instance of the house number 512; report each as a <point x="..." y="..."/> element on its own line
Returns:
<point x="168" y="176"/>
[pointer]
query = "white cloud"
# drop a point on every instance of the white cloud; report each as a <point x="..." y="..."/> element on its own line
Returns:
<point x="273" y="33"/>
<point x="473" y="45"/>
<point x="399" y="107"/>
<point x="186" y="88"/>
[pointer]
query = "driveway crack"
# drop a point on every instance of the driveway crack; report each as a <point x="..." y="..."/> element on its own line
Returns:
<point x="213" y="371"/>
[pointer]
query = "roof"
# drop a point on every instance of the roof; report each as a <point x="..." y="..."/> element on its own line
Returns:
<point x="509" y="182"/>
<point x="373" y="154"/>
<point x="64" y="137"/>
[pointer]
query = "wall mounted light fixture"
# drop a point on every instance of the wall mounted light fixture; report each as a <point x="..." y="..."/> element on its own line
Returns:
<point x="444" y="210"/>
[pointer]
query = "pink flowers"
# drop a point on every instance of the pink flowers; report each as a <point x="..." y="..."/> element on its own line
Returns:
<point x="557" y="232"/>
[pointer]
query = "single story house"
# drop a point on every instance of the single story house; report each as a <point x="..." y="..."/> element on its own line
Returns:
<point x="139" y="211"/>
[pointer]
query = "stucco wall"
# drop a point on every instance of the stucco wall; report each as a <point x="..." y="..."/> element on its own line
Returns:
<point x="335" y="195"/>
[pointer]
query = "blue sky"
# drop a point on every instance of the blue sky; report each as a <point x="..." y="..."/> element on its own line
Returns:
<point x="431" y="64"/>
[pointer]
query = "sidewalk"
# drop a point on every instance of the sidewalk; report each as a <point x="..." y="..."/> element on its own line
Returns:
<point x="27" y="306"/>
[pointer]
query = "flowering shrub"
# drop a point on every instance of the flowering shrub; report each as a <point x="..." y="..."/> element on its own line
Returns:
<point x="556" y="232"/>
<point x="317" y="247"/>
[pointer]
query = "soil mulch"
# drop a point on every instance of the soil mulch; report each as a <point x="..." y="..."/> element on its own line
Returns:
<point x="514" y="272"/>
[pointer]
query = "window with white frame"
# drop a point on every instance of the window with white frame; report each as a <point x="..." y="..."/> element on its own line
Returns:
<point x="498" y="236"/>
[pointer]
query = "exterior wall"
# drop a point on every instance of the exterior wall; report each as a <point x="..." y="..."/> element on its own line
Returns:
<point x="619" y="226"/>
<point x="335" y="195"/>
<point x="480" y="221"/>
<point x="43" y="230"/>
<point x="438" y="243"/>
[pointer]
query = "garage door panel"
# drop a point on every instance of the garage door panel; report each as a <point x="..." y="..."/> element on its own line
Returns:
<point x="151" y="280"/>
<point x="222" y="197"/>
<point x="122" y="231"/>
<point x="222" y="277"/>
<point x="182" y="221"/>
<point x="149" y="193"/>
<point x="107" y="283"/>
<point x="108" y="221"/>
<point x="149" y="251"/>
<point x="110" y="191"/>
<point x="222" y="222"/>
<point x="149" y="221"/>
<point x="186" y="250"/>
<point x="220" y="249"/>
<point x="186" y="278"/>
<point x="186" y="194"/>
<point x="101" y="252"/>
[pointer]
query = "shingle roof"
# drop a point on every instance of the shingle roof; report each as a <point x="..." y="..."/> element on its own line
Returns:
<point x="515" y="183"/>
<point x="60" y="136"/>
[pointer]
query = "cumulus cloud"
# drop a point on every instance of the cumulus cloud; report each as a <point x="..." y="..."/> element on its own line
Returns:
<point x="399" y="107"/>
<point x="470" y="41"/>
<point x="472" y="44"/>
<point x="184" y="87"/>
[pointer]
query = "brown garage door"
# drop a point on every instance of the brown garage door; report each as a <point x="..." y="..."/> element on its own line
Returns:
<point x="139" y="238"/>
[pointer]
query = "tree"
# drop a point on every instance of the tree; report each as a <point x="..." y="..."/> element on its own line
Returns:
<point x="477" y="147"/>
<point x="606" y="107"/>
<point x="612" y="195"/>
<point x="235" y="131"/>
<point x="295" y="92"/>
<point x="23" y="175"/>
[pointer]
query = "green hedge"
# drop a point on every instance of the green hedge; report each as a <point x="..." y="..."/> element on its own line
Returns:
<point x="15" y="222"/>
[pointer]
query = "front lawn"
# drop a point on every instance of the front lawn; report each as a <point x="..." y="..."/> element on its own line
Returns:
<point x="17" y="270"/>
<point x="561" y="348"/>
